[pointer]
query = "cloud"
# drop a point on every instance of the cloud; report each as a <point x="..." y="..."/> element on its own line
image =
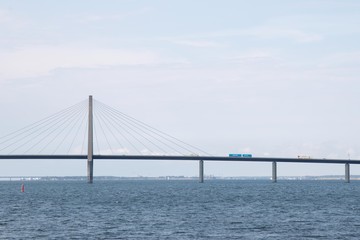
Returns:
<point x="194" y="43"/>
<point x="117" y="151"/>
<point x="41" y="60"/>
<point x="296" y="35"/>
<point x="4" y="16"/>
<point x="270" y="32"/>
<point x="10" y="20"/>
<point x="342" y="58"/>
<point x="113" y="17"/>
<point x="251" y="56"/>
<point x="149" y="152"/>
<point x="261" y="32"/>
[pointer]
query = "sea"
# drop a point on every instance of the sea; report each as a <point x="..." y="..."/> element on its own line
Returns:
<point x="175" y="209"/>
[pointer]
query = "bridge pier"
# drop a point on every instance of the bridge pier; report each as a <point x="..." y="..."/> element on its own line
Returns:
<point x="90" y="170"/>
<point x="201" y="171"/>
<point x="274" y="172"/>
<point x="347" y="172"/>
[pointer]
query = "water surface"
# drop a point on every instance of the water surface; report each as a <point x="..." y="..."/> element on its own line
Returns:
<point x="180" y="210"/>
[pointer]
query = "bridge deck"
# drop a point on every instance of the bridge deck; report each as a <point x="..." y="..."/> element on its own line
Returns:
<point x="188" y="158"/>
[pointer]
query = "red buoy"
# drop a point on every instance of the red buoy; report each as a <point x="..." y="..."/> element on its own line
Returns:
<point x="22" y="188"/>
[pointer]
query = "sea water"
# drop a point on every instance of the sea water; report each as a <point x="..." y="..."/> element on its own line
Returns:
<point x="180" y="210"/>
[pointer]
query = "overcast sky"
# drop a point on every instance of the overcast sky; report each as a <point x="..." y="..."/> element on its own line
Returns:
<point x="271" y="78"/>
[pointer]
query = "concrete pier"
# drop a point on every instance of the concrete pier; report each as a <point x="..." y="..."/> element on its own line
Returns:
<point x="201" y="171"/>
<point x="90" y="162"/>
<point x="274" y="172"/>
<point x="347" y="172"/>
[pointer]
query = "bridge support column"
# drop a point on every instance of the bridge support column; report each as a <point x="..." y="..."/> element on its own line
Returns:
<point x="274" y="172"/>
<point x="90" y="170"/>
<point x="347" y="172"/>
<point x="201" y="171"/>
<point x="90" y="162"/>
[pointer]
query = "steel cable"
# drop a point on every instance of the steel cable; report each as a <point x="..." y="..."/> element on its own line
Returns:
<point x="69" y="118"/>
<point x="52" y="123"/>
<point x="154" y="130"/>
<point x="128" y="125"/>
<point x="133" y="136"/>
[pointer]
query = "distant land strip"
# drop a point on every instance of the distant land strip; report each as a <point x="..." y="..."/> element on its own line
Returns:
<point x="195" y="178"/>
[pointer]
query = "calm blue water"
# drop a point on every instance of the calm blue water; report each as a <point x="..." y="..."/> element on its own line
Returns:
<point x="180" y="210"/>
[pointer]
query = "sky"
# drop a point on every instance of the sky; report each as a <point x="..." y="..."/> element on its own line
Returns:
<point x="270" y="78"/>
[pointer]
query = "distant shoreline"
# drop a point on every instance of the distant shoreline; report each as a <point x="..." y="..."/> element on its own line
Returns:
<point x="166" y="178"/>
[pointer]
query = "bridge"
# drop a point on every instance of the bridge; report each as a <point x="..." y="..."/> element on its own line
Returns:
<point x="52" y="132"/>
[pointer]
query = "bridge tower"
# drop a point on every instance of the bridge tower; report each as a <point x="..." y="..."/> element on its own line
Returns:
<point x="90" y="162"/>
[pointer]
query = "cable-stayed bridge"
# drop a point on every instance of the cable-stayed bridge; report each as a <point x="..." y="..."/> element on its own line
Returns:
<point x="76" y="133"/>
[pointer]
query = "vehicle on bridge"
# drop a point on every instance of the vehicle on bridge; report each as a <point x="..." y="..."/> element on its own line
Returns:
<point x="304" y="157"/>
<point x="240" y="155"/>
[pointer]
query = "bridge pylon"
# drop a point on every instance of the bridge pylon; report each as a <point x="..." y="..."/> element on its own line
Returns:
<point x="90" y="160"/>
